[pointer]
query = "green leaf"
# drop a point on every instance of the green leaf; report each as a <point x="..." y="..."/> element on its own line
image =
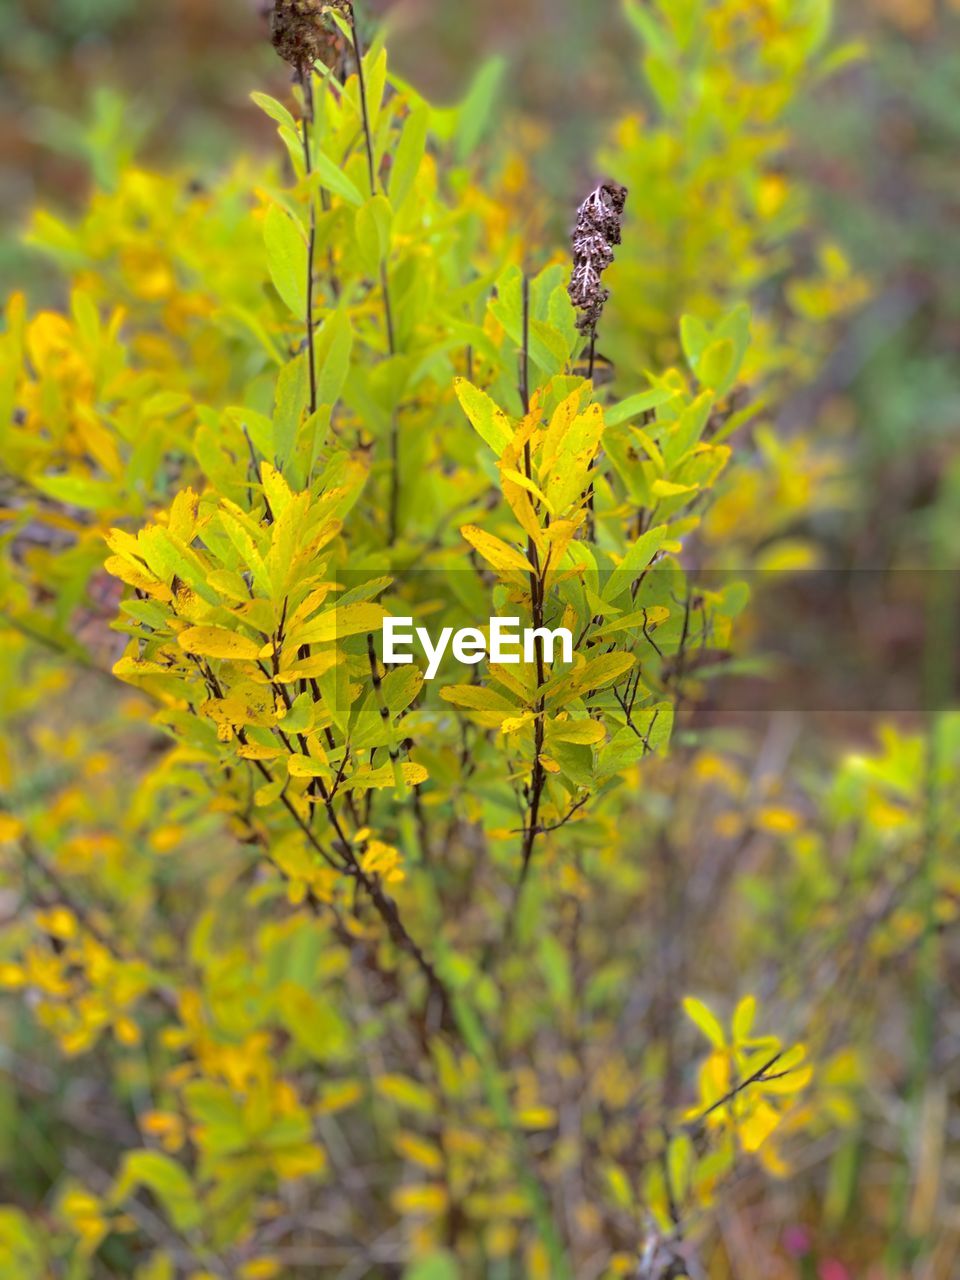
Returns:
<point x="292" y="396"/>
<point x="334" y="346"/>
<point x="168" y="1181"/>
<point x="409" y="154"/>
<point x="633" y="406"/>
<point x="287" y="259"/>
<point x="22" y="1251"/>
<point x="314" y="1023"/>
<point x="375" y="70"/>
<point x="299" y="719"/>
<point x="477" y="107"/>
<point x="694" y="336"/>
<point x="605" y="669"/>
<point x="651" y="32"/>
<point x="716" y="366"/>
<point x="548" y="348"/>
<point x="665" y="80"/>
<point x="76" y="491"/>
<point x="636" y="559"/>
<point x="299" y="766"/>
<point x="275" y="110"/>
<point x="582" y="732"/>
<point x="437" y="1266"/>
<point x="372" y="227"/>
<point x="329" y="175"/>
<point x="681" y="1160"/>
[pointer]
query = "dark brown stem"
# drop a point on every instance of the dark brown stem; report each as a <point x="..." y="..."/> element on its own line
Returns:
<point x="306" y="83"/>
<point x="394" y="500"/>
<point x="591" y="498"/>
<point x="538" y="774"/>
<point x="384" y="905"/>
<point x="758" y="1077"/>
<point x="525" y="351"/>
<point x="393" y="515"/>
<point x="361" y="80"/>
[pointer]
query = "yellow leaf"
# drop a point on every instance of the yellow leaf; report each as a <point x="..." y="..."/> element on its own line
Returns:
<point x="218" y="642"/>
<point x="254" y="751"/>
<point x="488" y="708"/>
<point x="304" y="767"/>
<point x="11" y="828"/>
<point x="536" y="1117"/>
<point x="487" y="419"/>
<point x="778" y="821"/>
<point x="309" y="668"/>
<point x="563" y="418"/>
<point x="405" y="1092"/>
<point x="300" y="1161"/>
<point x="260" y="1269"/>
<point x="705" y="1021"/>
<point x="138" y="577"/>
<point x="530" y="487"/>
<point x="666" y="489"/>
<point x="336" y="624"/>
<point x="513" y="724"/>
<point x="566" y="478"/>
<point x="594" y="674"/>
<point x="502" y="557"/>
<point x="419" y="1151"/>
<point x="338" y="1097"/>
<point x="758" y="1126"/>
<point x="429" y="1199"/>
<point x="12" y="977"/>
<point x="127" y="1032"/>
<point x="383" y="777"/>
<point x="584" y="732"/>
<point x="59" y="922"/>
<point x="714" y="1082"/>
<point x="794" y="1081"/>
<point x="743" y="1018"/>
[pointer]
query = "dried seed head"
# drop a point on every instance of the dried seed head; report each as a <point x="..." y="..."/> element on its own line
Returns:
<point x="299" y="31"/>
<point x="598" y="229"/>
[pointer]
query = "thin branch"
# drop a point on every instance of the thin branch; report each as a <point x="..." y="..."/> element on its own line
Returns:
<point x="306" y="84"/>
<point x="538" y="775"/>
<point x="393" y="513"/>
<point x="759" y="1077"/>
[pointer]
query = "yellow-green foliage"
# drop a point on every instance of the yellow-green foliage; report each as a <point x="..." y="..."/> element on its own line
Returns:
<point x="712" y="211"/>
<point x="348" y="946"/>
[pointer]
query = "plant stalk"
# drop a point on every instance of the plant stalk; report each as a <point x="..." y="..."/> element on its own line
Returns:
<point x="306" y="84"/>
<point x="394" y="500"/>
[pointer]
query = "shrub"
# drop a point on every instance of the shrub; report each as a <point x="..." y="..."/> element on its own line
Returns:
<point x="349" y="958"/>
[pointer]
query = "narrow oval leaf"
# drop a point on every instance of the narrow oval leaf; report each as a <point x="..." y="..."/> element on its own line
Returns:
<point x="287" y="259"/>
<point x="218" y="642"/>
<point x="487" y="419"/>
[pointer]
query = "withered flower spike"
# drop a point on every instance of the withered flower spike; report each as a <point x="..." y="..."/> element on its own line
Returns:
<point x="299" y="31"/>
<point x="598" y="229"/>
